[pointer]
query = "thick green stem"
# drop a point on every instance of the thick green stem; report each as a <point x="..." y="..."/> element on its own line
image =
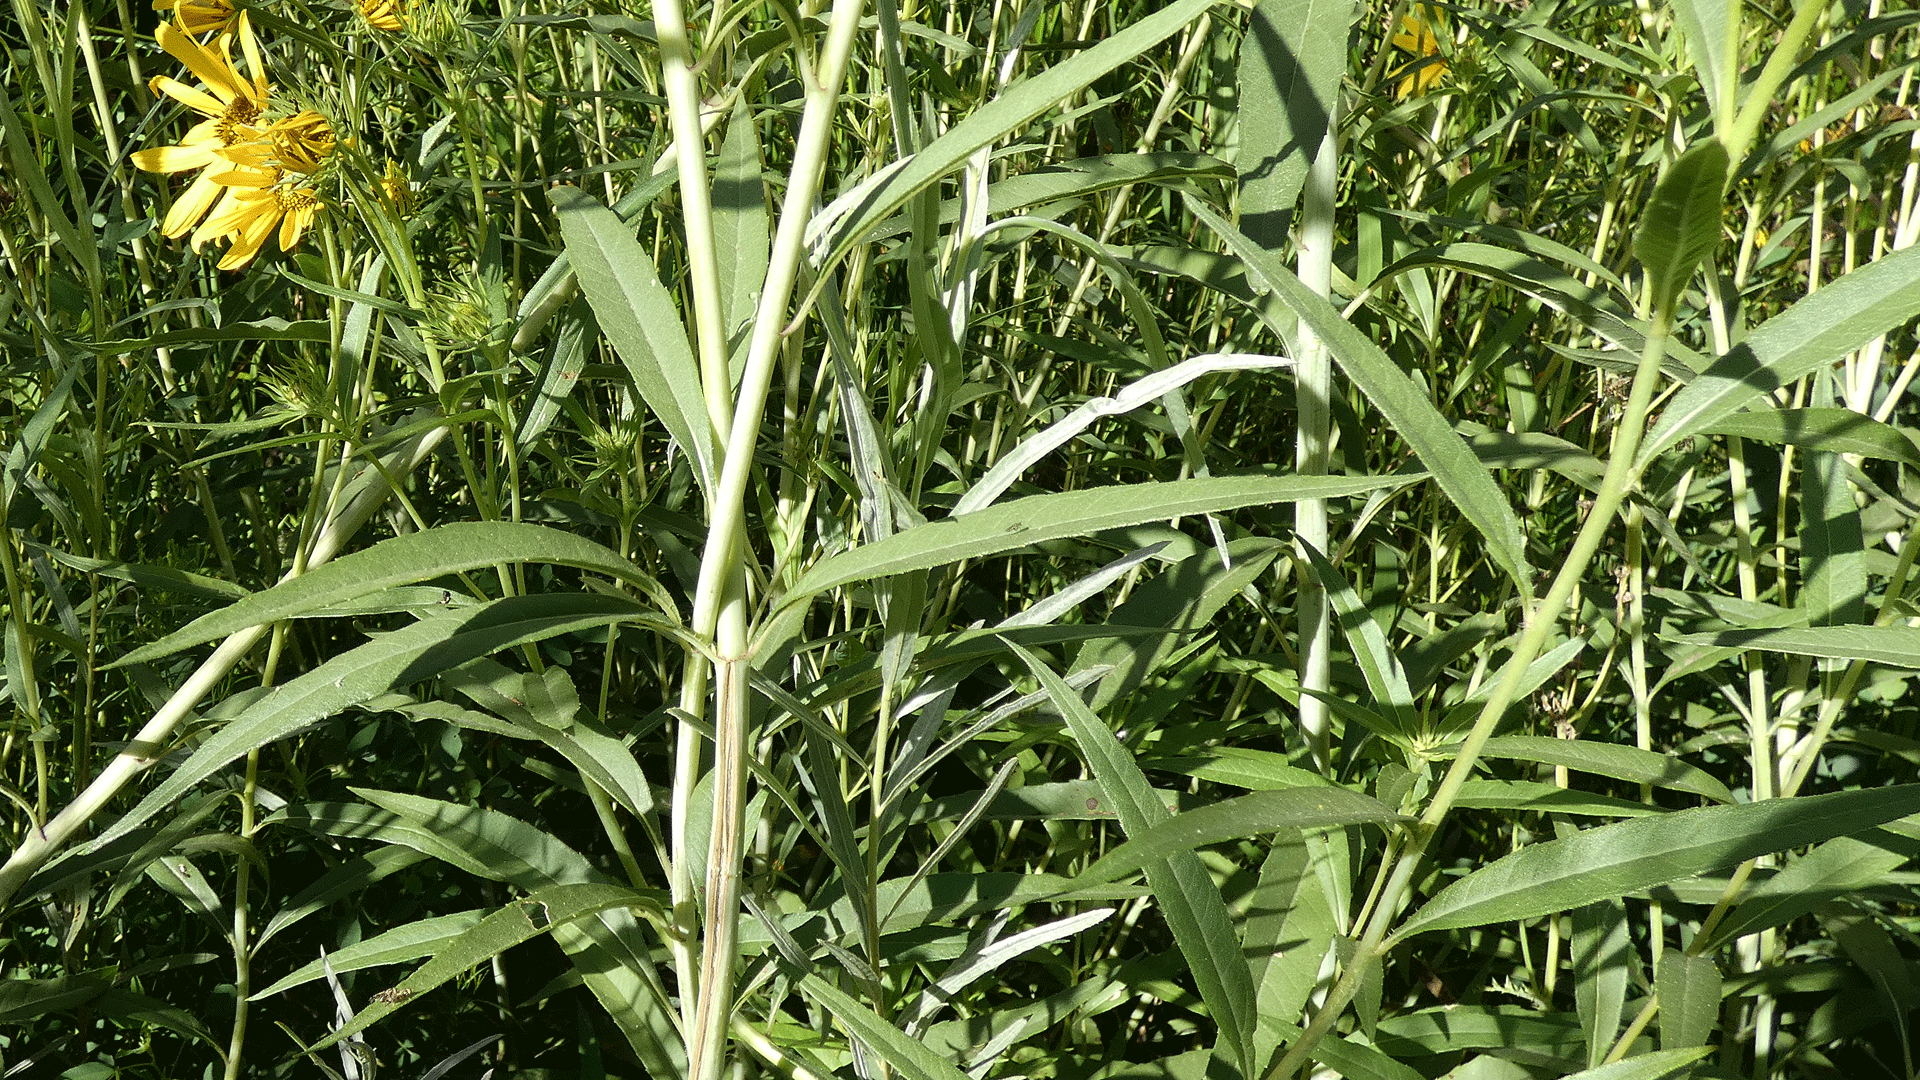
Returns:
<point x="721" y="601"/>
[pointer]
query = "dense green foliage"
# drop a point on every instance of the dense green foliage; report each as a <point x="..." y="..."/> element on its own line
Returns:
<point x="1070" y="542"/>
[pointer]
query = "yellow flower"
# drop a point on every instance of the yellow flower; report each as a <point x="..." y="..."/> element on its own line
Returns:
<point x="1417" y="38"/>
<point x="200" y="16"/>
<point x="254" y="202"/>
<point x="231" y="103"/>
<point x="395" y="186"/>
<point x="383" y="14"/>
<point x="300" y="143"/>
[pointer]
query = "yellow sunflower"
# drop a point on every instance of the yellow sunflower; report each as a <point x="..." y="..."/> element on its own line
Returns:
<point x="232" y="104"/>
<point x="1418" y="38"/>
<point x="199" y="17"/>
<point x="384" y="14"/>
<point x="300" y="143"/>
<point x="253" y="204"/>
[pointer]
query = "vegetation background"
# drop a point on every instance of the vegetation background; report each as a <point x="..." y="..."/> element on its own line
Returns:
<point x="1070" y="541"/>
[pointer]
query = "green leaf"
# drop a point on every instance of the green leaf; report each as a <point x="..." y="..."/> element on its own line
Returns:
<point x="1681" y="225"/>
<point x="639" y="317"/>
<point x="1055" y="183"/>
<point x="521" y="920"/>
<point x="1247" y="815"/>
<point x="1554" y="286"/>
<point x="1184" y="889"/>
<point x="913" y="1060"/>
<point x="1654" y="1066"/>
<point x="1833" y="548"/>
<point x="1602" y="954"/>
<point x="740" y="234"/>
<point x="1037" y="519"/>
<point x="1610" y="759"/>
<point x="1292" y="57"/>
<point x="1689" y="988"/>
<point x="1355" y="1061"/>
<point x="396" y="946"/>
<point x="1837" y="868"/>
<point x="351" y="877"/>
<point x="1386" y="680"/>
<point x="1614" y="860"/>
<point x="1819" y="329"/>
<point x="838" y="228"/>
<point x="399" y="658"/>
<point x="1713" y="44"/>
<point x="1895" y="646"/>
<point x="1533" y="797"/>
<point x="612" y="956"/>
<point x="402" y="560"/>
<point x="1475" y="1027"/>
<point x="1403" y="403"/>
<point x="1834" y="430"/>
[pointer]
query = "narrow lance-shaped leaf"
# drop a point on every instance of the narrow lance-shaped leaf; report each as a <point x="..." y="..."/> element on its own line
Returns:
<point x="1036" y="519"/>
<point x="519" y="921"/>
<point x="401" y="657"/>
<point x="1404" y="404"/>
<point x="908" y="1056"/>
<point x="848" y="218"/>
<point x="1614" y="860"/>
<point x="1184" y="889"/>
<point x="1841" y="316"/>
<point x="1248" y="815"/>
<point x="402" y="560"/>
<point x="638" y="315"/>
<point x="1681" y="226"/>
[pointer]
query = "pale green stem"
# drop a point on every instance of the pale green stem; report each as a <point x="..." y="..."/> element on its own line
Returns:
<point x="720" y="608"/>
<point x="1780" y="60"/>
<point x="696" y="209"/>
<point x="1313" y="382"/>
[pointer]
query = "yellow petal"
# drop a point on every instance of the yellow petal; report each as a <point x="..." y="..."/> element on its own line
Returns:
<point x="246" y="243"/>
<point x="238" y="207"/>
<point x="191" y="206"/>
<point x="172" y="159"/>
<point x="213" y="70"/>
<point x="294" y="225"/>
<point x="193" y="98"/>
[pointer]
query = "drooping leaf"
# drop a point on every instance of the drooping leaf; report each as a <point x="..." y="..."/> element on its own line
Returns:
<point x="1835" y="869"/>
<point x="402" y="560"/>
<point x="1843" y="315"/>
<point x="1613" y="860"/>
<point x="1247" y="815"/>
<point x="846" y="220"/>
<point x="398" y="658"/>
<point x="521" y="920"/>
<point x="1610" y="759"/>
<point x="1402" y="402"/>
<point x="913" y="1060"/>
<point x="1657" y="1065"/>
<point x="1182" y="886"/>
<point x="1896" y="646"/>
<point x="1834" y="430"/>
<point x="1039" y="518"/>
<point x="410" y="941"/>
